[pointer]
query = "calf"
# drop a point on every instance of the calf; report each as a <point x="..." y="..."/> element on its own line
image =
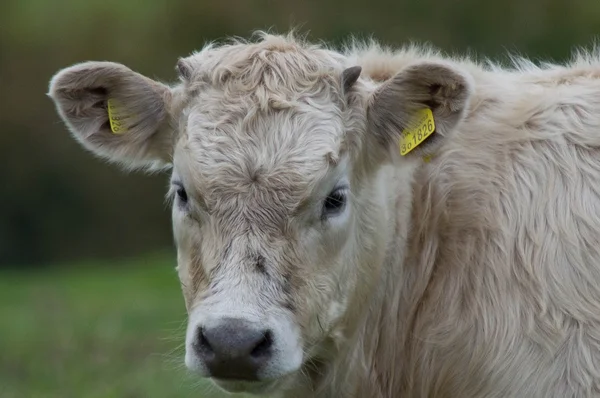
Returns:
<point x="370" y="222"/>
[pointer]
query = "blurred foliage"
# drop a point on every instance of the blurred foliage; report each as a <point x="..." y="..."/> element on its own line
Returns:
<point x="60" y="203"/>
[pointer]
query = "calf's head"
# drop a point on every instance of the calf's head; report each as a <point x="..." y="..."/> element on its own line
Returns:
<point x="279" y="206"/>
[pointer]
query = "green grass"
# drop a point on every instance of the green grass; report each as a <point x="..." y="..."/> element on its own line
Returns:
<point x="94" y="330"/>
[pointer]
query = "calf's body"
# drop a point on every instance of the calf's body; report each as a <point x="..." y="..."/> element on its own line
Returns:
<point x="474" y="274"/>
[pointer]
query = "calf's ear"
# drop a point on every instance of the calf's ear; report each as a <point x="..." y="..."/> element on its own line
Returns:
<point x="414" y="96"/>
<point x="115" y="113"/>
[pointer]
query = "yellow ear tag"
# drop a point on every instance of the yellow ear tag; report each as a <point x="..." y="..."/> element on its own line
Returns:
<point x="116" y="121"/>
<point x="417" y="132"/>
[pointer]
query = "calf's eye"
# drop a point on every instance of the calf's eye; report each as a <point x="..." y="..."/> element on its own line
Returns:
<point x="182" y="195"/>
<point x="335" y="202"/>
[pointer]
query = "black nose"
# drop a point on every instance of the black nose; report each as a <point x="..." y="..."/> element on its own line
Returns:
<point x="234" y="349"/>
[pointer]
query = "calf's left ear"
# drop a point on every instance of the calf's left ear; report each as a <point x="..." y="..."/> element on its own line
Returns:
<point x="394" y="107"/>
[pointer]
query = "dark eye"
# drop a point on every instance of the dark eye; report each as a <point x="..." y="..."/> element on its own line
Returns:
<point x="335" y="202"/>
<point x="182" y="195"/>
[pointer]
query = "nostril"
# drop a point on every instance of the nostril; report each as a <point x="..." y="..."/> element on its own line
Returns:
<point x="202" y="344"/>
<point x="264" y="345"/>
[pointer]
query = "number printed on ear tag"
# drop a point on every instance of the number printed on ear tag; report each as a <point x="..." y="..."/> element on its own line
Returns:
<point x="116" y="121"/>
<point x="418" y="132"/>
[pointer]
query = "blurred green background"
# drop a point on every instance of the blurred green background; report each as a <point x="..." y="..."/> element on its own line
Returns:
<point x="89" y="301"/>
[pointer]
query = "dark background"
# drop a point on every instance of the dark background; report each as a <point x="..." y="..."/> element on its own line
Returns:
<point x="61" y="204"/>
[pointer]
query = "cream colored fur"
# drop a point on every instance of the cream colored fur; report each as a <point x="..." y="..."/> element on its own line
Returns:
<point x="475" y="275"/>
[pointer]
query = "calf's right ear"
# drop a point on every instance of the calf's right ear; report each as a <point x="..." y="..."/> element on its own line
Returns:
<point x="116" y="113"/>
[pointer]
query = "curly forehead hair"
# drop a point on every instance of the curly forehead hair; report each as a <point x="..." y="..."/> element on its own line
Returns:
<point x="273" y="72"/>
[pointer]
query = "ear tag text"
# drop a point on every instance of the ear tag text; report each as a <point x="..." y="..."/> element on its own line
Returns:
<point x="116" y="120"/>
<point x="417" y="132"/>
